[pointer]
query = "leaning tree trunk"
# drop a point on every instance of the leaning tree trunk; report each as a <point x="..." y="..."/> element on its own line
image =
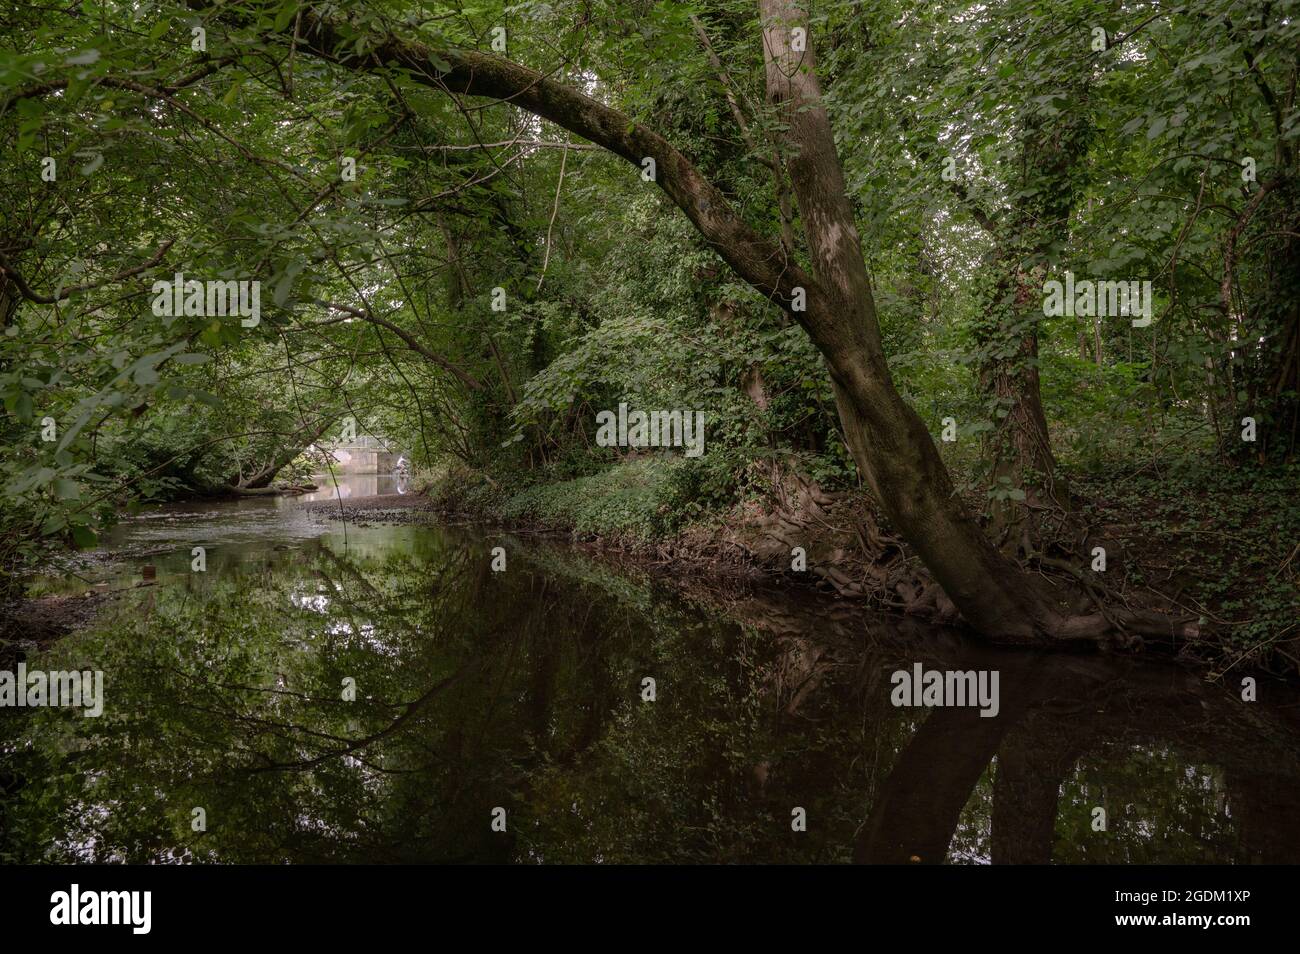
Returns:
<point x="307" y="435"/>
<point x="889" y="442"/>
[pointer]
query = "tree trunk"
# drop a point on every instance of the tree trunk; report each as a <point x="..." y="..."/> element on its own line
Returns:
<point x="1270" y="347"/>
<point x="1022" y="481"/>
<point x="889" y="442"/>
<point x="305" y="437"/>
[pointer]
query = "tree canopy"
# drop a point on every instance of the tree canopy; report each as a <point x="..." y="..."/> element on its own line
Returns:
<point x="829" y="227"/>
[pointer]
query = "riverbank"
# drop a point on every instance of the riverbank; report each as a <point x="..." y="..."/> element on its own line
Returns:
<point x="1157" y="527"/>
<point x="1158" y="530"/>
<point x="528" y="689"/>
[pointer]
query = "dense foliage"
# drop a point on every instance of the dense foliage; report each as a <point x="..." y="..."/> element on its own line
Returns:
<point x="487" y="282"/>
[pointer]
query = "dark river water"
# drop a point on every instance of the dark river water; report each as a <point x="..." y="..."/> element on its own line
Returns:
<point x="363" y="692"/>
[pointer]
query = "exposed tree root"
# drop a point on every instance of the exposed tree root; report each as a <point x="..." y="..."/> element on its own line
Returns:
<point x="1124" y="629"/>
<point x="850" y="551"/>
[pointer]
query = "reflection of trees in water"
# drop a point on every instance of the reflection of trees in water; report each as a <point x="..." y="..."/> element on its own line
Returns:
<point x="477" y="689"/>
<point x="1106" y="716"/>
<point x="1133" y="736"/>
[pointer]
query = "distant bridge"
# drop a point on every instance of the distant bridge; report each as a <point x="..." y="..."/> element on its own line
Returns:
<point x="365" y="455"/>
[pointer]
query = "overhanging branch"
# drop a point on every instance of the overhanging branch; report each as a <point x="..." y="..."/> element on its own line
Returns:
<point x="27" y="292"/>
<point x="411" y="342"/>
<point x="763" y="263"/>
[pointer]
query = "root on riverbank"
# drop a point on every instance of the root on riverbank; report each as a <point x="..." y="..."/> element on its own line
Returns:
<point x="849" y="550"/>
<point x="295" y="490"/>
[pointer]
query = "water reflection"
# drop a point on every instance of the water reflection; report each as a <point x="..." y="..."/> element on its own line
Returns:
<point x="523" y="690"/>
<point x="346" y="486"/>
<point x="231" y="532"/>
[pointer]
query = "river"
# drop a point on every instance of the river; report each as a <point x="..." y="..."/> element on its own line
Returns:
<point x="364" y="691"/>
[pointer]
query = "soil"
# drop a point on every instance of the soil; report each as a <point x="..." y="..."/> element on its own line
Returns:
<point x="848" y="550"/>
<point x="29" y="625"/>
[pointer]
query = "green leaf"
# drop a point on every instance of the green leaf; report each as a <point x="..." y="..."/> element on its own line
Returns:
<point x="22" y="408"/>
<point x="285" y="285"/>
<point x="232" y="93"/>
<point x="285" y="15"/>
<point x="205" y="397"/>
<point x="54" y="524"/>
<point x="65" y="489"/>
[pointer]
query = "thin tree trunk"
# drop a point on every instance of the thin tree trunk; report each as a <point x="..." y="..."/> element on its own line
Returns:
<point x="1023" y="479"/>
<point x="1024" y="482"/>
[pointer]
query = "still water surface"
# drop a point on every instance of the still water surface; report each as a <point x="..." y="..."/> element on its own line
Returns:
<point x="523" y="690"/>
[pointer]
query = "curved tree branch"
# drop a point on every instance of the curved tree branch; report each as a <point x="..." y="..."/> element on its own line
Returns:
<point x="758" y="260"/>
<point x="21" y="284"/>
<point x="413" y="343"/>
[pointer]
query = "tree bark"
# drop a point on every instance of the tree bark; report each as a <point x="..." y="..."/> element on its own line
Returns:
<point x="1269" y="369"/>
<point x="1022" y="478"/>
<point x="1023" y="475"/>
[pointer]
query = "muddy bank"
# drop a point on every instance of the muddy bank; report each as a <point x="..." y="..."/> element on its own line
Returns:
<point x="30" y="625"/>
<point x="801" y="539"/>
<point x="824" y="541"/>
<point x="848" y="556"/>
<point x="723" y="555"/>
